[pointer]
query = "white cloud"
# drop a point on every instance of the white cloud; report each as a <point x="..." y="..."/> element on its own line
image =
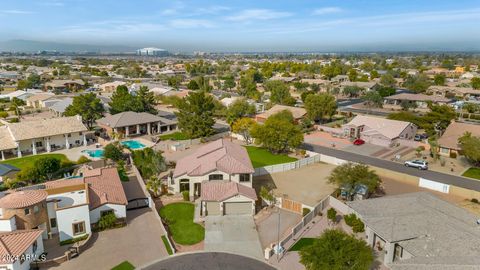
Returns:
<point x="191" y="23"/>
<point x="327" y="10"/>
<point x="16" y="11"/>
<point x="212" y="9"/>
<point x="52" y="4"/>
<point x="257" y="14"/>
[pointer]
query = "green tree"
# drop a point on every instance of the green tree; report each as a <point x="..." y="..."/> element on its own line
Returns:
<point x="388" y="80"/>
<point x="243" y="127"/>
<point x="193" y="85"/>
<point x="123" y="101"/>
<point x="278" y="133"/>
<point x="470" y="146"/>
<point x="373" y="99"/>
<point x="238" y="109"/>
<point x="279" y="93"/>
<point x="475" y="82"/>
<point x="305" y="94"/>
<point x="154" y="184"/>
<point x="46" y="167"/>
<point x="349" y="175"/>
<point x="175" y="81"/>
<point x="229" y="82"/>
<point x="439" y="79"/>
<point x="15" y="105"/>
<point x="321" y="106"/>
<point x="113" y="151"/>
<point x="471" y="107"/>
<point x="145" y="101"/>
<point x="352" y="75"/>
<point x="149" y="162"/>
<point x="352" y="91"/>
<point x="88" y="106"/>
<point x="335" y="249"/>
<point x="418" y="84"/>
<point x="195" y="115"/>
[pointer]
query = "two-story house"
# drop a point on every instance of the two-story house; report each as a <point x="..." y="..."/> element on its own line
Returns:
<point x="220" y="175"/>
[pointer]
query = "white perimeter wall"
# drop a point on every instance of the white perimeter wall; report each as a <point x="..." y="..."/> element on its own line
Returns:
<point x="120" y="211"/>
<point x="66" y="217"/>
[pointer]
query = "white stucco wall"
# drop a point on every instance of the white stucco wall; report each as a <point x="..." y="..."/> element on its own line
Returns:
<point x="8" y="225"/>
<point x="26" y="264"/>
<point x="199" y="179"/>
<point x="66" y="217"/>
<point x="57" y="140"/>
<point x="120" y="211"/>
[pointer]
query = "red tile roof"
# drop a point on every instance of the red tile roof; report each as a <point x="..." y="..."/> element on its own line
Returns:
<point x="222" y="155"/>
<point x="104" y="186"/>
<point x="14" y="244"/>
<point x="22" y="199"/>
<point x="220" y="191"/>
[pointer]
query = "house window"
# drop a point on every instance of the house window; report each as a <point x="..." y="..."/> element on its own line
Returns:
<point x="27" y="211"/>
<point x="34" y="247"/>
<point x="53" y="222"/>
<point x="78" y="228"/>
<point x="215" y="177"/>
<point x="244" y="177"/>
<point x="106" y="212"/>
<point x="35" y="209"/>
<point x="69" y="135"/>
<point x="38" y="144"/>
<point x="80" y="133"/>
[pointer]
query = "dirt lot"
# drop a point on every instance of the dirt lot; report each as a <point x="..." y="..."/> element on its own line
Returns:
<point x="307" y="185"/>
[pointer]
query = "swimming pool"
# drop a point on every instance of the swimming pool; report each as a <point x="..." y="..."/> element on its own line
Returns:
<point x="97" y="153"/>
<point x="132" y="144"/>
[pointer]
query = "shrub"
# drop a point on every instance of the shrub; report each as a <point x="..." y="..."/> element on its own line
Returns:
<point x="74" y="240"/>
<point x="3" y="114"/>
<point x="14" y="120"/>
<point x="186" y="196"/>
<point x="107" y="221"/>
<point x="113" y="151"/>
<point x="474" y="200"/>
<point x="350" y="219"/>
<point x="305" y="211"/>
<point x="358" y="226"/>
<point x="82" y="160"/>
<point x="332" y="214"/>
<point x="453" y="155"/>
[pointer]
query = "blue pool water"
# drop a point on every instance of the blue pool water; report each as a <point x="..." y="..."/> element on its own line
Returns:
<point x="132" y="144"/>
<point x="97" y="153"/>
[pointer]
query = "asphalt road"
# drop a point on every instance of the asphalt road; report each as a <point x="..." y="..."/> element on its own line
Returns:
<point x="208" y="261"/>
<point x="398" y="167"/>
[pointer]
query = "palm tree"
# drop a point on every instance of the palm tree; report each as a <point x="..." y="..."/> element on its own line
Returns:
<point x="154" y="185"/>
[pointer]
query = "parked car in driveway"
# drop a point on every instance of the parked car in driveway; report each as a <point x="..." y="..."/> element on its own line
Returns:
<point x="358" y="142"/>
<point x="419" y="164"/>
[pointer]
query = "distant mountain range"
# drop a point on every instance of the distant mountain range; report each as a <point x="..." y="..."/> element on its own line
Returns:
<point x="34" y="46"/>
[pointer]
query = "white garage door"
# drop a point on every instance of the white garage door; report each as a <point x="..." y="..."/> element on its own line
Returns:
<point x="213" y="209"/>
<point x="238" y="208"/>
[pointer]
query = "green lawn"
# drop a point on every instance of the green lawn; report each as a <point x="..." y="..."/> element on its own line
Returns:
<point x="261" y="157"/>
<point x="126" y="265"/>
<point x="472" y="173"/>
<point x="167" y="246"/>
<point x="29" y="160"/>
<point x="179" y="217"/>
<point x="176" y="136"/>
<point x="303" y="242"/>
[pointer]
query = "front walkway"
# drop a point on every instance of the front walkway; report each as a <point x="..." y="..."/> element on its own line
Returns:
<point x="235" y="234"/>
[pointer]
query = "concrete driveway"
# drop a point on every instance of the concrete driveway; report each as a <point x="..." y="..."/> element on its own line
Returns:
<point x="235" y="234"/>
<point x="139" y="243"/>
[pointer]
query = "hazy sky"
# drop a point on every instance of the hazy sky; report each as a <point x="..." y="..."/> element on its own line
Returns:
<point x="271" y="25"/>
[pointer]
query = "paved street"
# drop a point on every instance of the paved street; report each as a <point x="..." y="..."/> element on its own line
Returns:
<point x="398" y="167"/>
<point x="208" y="261"/>
<point x="236" y="234"/>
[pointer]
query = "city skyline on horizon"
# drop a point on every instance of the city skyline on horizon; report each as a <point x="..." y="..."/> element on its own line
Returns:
<point x="209" y="25"/>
